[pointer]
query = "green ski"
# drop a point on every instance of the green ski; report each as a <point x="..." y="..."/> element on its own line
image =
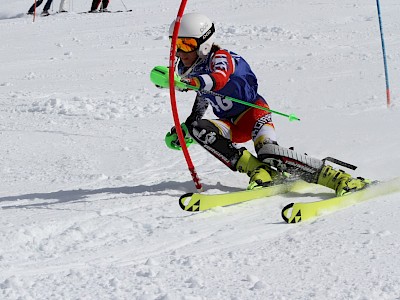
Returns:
<point x="297" y="212"/>
<point x="200" y="202"/>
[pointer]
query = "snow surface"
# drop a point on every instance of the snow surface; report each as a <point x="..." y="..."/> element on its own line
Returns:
<point x="89" y="192"/>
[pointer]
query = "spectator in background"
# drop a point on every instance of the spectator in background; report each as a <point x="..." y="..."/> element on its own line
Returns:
<point x="63" y="6"/>
<point x="96" y="3"/>
<point x="46" y="8"/>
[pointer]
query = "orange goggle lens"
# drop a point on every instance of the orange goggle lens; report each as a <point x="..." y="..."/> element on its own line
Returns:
<point x="187" y="44"/>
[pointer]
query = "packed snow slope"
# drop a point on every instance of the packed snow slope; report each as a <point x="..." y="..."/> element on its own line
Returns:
<point x="89" y="192"/>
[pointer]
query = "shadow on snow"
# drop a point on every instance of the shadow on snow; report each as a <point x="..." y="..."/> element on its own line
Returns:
<point x="171" y="188"/>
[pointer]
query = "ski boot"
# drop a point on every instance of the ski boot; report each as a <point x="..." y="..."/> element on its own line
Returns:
<point x="340" y="181"/>
<point x="258" y="172"/>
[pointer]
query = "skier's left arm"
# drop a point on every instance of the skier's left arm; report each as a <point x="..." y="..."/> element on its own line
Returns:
<point x="198" y="110"/>
<point x="222" y="66"/>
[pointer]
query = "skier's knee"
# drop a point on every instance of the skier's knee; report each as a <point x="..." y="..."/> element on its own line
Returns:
<point x="202" y="124"/>
<point x="295" y="163"/>
<point x="203" y="129"/>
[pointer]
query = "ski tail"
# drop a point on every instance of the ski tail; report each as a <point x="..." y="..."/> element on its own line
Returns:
<point x="285" y="216"/>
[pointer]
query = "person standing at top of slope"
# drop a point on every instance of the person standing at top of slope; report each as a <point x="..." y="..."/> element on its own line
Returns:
<point x="46" y="8"/>
<point x="96" y="3"/>
<point x="208" y="67"/>
<point x="63" y="6"/>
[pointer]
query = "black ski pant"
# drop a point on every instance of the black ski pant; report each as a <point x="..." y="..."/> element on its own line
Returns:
<point x="46" y="7"/>
<point x="208" y="136"/>
<point x="96" y="3"/>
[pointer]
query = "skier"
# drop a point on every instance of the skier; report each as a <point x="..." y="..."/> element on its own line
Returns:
<point x="96" y="3"/>
<point x="205" y="65"/>
<point x="46" y="8"/>
<point x="63" y="6"/>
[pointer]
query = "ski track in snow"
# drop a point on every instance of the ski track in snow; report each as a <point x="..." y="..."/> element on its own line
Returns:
<point x="89" y="192"/>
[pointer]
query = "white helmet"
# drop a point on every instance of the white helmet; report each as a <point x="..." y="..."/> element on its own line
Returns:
<point x="198" y="26"/>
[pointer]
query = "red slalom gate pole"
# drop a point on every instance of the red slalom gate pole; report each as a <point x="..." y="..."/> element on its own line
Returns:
<point x="178" y="127"/>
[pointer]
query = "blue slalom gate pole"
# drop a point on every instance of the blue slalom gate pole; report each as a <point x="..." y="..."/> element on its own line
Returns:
<point x="384" y="54"/>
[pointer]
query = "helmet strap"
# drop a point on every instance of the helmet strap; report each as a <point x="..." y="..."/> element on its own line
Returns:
<point x="187" y="72"/>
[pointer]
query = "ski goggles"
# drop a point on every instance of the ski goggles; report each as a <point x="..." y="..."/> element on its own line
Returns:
<point x="190" y="44"/>
<point x="187" y="44"/>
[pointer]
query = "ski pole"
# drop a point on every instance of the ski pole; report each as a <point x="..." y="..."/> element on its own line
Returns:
<point x="384" y="54"/>
<point x="124" y="5"/>
<point x="159" y="76"/>
<point x="34" y="12"/>
<point x="291" y="117"/>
